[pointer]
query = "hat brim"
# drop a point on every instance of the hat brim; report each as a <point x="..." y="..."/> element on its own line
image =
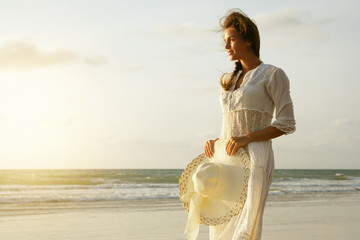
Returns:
<point x="219" y="209"/>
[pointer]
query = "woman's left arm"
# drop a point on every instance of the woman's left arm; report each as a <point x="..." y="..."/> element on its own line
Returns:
<point x="278" y="88"/>
<point x="267" y="133"/>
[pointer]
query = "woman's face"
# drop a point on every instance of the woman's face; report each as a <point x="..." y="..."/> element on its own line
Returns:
<point x="235" y="45"/>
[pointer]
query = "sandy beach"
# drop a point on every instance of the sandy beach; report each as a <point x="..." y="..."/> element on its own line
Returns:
<point x="326" y="217"/>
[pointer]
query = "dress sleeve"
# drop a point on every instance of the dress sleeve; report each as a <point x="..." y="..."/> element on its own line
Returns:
<point x="278" y="88"/>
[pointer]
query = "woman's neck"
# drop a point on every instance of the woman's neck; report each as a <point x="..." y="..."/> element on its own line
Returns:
<point x="250" y="63"/>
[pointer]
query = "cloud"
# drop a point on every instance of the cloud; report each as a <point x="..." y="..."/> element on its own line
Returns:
<point x="183" y="30"/>
<point x="20" y="55"/>
<point x="94" y="61"/>
<point x="339" y="131"/>
<point x="282" y="19"/>
<point x="187" y="40"/>
<point x="296" y="25"/>
<point x="342" y="122"/>
<point x="130" y="67"/>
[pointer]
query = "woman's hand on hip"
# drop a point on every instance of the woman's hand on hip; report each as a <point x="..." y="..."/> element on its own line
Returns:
<point x="235" y="143"/>
<point x="209" y="148"/>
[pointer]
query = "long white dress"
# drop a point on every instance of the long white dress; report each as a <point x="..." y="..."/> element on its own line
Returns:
<point x="250" y="108"/>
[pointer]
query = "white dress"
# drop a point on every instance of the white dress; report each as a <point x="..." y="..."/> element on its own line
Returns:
<point x="250" y="108"/>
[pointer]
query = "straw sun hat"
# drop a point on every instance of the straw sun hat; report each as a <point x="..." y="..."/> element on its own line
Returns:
<point x="213" y="190"/>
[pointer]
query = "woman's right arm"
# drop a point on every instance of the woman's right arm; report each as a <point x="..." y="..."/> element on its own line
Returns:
<point x="209" y="147"/>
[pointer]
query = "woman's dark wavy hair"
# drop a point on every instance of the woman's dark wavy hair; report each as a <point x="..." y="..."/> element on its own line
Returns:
<point x="235" y="18"/>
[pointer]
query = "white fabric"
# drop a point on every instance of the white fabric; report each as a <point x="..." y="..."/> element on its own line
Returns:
<point x="250" y="108"/>
<point x="210" y="192"/>
<point x="193" y="224"/>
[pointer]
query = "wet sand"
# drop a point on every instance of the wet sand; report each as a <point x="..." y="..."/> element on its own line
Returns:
<point x="328" y="217"/>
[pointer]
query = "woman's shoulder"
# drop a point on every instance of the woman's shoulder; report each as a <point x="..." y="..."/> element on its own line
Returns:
<point x="275" y="76"/>
<point x="272" y="72"/>
<point x="272" y="69"/>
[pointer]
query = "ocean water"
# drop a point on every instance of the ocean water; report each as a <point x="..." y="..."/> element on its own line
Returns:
<point x="33" y="189"/>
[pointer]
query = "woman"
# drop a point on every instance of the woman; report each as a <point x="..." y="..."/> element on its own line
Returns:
<point x="249" y="96"/>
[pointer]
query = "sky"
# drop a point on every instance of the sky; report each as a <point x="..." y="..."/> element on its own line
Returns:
<point x="135" y="84"/>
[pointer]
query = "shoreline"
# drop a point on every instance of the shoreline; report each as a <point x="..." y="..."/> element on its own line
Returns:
<point x="331" y="216"/>
<point x="167" y="204"/>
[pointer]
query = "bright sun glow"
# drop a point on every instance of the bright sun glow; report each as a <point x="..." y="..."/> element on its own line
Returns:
<point x="29" y="117"/>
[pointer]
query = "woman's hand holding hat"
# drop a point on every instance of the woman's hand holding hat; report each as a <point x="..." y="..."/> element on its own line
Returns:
<point x="235" y="143"/>
<point x="209" y="148"/>
<point x="206" y="188"/>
